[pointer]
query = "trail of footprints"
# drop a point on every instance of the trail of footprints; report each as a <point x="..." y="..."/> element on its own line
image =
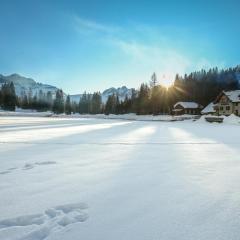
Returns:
<point x="52" y="220"/>
<point x="28" y="166"/>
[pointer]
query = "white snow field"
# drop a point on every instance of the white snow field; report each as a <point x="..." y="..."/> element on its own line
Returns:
<point x="99" y="179"/>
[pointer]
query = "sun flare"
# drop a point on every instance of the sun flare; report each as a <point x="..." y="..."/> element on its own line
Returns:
<point x="167" y="79"/>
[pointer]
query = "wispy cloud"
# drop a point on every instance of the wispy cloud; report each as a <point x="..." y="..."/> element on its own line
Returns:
<point x="145" y="48"/>
<point x="166" y="62"/>
<point x="89" y="26"/>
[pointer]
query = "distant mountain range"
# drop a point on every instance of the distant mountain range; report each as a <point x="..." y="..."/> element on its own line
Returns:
<point x="24" y="85"/>
<point x="122" y="92"/>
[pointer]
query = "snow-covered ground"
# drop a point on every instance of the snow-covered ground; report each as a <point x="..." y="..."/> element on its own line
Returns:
<point x="24" y="113"/>
<point x="130" y="116"/>
<point x="83" y="178"/>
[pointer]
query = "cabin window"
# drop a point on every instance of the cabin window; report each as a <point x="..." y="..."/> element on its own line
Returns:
<point x="221" y="108"/>
<point x="228" y="108"/>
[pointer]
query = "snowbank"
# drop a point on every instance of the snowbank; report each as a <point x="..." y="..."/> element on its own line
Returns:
<point x="25" y="113"/>
<point x="201" y="119"/>
<point x="232" y="119"/>
<point x="131" y="116"/>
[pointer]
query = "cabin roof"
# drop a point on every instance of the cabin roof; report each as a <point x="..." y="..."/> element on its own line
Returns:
<point x="209" y="108"/>
<point x="187" y="105"/>
<point x="234" y="96"/>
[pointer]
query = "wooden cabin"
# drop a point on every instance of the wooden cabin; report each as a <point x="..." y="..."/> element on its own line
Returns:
<point x="191" y="108"/>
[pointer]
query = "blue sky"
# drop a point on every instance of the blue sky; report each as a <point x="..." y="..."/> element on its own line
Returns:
<point x="92" y="45"/>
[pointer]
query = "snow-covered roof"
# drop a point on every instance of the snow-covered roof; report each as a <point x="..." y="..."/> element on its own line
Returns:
<point x="234" y="96"/>
<point x="187" y="104"/>
<point x="209" y="108"/>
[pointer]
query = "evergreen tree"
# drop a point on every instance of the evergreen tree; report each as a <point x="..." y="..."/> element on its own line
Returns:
<point x="96" y="103"/>
<point x="49" y="99"/>
<point x="30" y="98"/>
<point x="132" y="103"/>
<point x="89" y="105"/>
<point x="34" y="104"/>
<point x="68" y="107"/>
<point x="75" y="107"/>
<point x="153" y="82"/>
<point x="142" y="101"/>
<point x="58" y="104"/>
<point x="9" y="99"/>
<point x="1" y="98"/>
<point x="83" y="104"/>
<point x="155" y="95"/>
<point x="110" y="107"/>
<point x="24" y="102"/>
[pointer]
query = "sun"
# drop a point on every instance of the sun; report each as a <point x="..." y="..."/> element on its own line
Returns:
<point x="167" y="80"/>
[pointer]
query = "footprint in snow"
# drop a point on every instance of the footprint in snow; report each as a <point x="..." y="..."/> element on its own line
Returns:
<point x="12" y="168"/>
<point x="5" y="172"/>
<point x="53" y="219"/>
<point x="9" y="170"/>
<point x="45" y="163"/>
<point x="28" y="166"/>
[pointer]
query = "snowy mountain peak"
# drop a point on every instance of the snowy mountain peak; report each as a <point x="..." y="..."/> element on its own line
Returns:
<point x="119" y="91"/>
<point x="25" y="85"/>
<point x="122" y="92"/>
<point x="20" y="80"/>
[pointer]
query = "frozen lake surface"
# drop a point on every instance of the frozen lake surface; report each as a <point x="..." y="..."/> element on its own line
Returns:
<point x="91" y="179"/>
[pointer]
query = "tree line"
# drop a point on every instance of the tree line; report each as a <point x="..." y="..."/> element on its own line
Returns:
<point x="151" y="98"/>
<point x="57" y="103"/>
